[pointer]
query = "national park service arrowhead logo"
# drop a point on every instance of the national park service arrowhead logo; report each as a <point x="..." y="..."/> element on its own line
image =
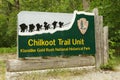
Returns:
<point x="82" y="25"/>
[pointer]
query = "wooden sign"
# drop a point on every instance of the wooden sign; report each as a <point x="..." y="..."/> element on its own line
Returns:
<point x="54" y="34"/>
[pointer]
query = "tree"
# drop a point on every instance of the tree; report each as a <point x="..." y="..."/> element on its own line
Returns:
<point x="8" y="16"/>
<point x="86" y="4"/>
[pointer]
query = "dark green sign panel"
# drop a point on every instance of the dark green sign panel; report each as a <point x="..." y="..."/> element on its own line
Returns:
<point x="54" y="34"/>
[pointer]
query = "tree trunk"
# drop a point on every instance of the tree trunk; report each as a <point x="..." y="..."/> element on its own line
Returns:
<point x="17" y="5"/>
<point x="86" y="5"/>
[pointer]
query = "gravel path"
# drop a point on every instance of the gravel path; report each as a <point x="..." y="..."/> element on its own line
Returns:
<point x="104" y="75"/>
<point x="97" y="75"/>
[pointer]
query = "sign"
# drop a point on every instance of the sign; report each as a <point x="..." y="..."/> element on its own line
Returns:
<point x="54" y="34"/>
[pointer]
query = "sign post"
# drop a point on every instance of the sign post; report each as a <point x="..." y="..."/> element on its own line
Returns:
<point x="54" y="34"/>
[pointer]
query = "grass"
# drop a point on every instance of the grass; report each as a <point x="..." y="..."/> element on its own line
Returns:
<point x="2" y="70"/>
<point x="8" y="50"/>
<point x="51" y="75"/>
<point x="112" y="63"/>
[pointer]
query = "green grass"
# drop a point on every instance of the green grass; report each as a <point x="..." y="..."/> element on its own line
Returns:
<point x="2" y="70"/>
<point x="54" y="74"/>
<point x="8" y="50"/>
<point x="112" y="63"/>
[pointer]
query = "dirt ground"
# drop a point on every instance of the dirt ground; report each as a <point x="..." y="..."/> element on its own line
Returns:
<point x="7" y="56"/>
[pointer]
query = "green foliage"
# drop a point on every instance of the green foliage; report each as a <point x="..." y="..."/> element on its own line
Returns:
<point x="112" y="63"/>
<point x="111" y="53"/>
<point x="51" y="5"/>
<point x="8" y="50"/>
<point x="109" y="66"/>
<point x="8" y="23"/>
